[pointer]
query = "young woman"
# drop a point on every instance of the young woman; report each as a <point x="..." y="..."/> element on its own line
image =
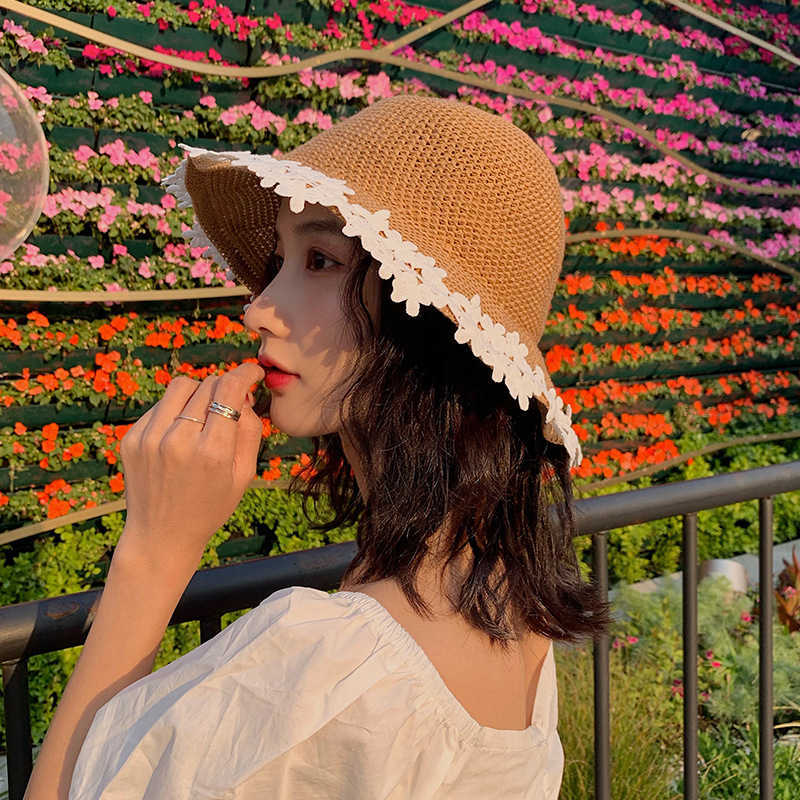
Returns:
<point x="402" y="265"/>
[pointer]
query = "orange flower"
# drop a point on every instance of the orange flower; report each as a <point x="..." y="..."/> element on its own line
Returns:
<point x="38" y="319"/>
<point x="57" y="508"/>
<point x="126" y="383"/>
<point x="48" y="445"/>
<point x="18" y="448"/>
<point x="43" y="464"/>
<point x="117" y="483"/>
<point x="119" y="323"/>
<point x="106" y="332"/>
<point x="49" y="381"/>
<point x="50" y="431"/>
<point x="3" y="499"/>
<point x="19" y="428"/>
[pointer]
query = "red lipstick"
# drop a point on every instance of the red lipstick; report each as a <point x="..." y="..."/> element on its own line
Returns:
<point x="276" y="375"/>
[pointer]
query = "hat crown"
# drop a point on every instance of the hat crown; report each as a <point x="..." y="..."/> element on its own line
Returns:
<point x="469" y="188"/>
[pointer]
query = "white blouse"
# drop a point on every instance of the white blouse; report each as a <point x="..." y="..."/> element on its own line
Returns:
<point x="311" y="696"/>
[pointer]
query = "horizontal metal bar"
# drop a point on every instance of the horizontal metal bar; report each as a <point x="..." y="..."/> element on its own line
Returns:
<point x="55" y="623"/>
<point x="41" y="626"/>
<point x="610" y="511"/>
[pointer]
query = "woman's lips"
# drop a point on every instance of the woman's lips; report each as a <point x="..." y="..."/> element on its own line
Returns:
<point x="276" y="378"/>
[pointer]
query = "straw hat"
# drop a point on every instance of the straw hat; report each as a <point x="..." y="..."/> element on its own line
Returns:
<point x="459" y="206"/>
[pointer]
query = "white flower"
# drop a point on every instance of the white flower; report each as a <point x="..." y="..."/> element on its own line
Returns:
<point x="359" y="222"/>
<point x="297" y="190"/>
<point x="406" y="286"/>
<point x="384" y="245"/>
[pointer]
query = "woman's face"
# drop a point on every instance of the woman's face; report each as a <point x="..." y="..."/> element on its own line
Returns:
<point x="300" y="320"/>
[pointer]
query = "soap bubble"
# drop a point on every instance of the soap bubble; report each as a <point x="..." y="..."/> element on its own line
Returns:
<point x="24" y="167"/>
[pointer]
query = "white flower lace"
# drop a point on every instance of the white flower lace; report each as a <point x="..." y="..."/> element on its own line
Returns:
<point x="416" y="280"/>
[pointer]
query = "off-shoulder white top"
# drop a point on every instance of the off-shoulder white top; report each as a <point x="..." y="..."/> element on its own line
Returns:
<point x="312" y="696"/>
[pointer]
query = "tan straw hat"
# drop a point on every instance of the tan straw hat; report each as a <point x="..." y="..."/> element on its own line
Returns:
<point x="460" y="207"/>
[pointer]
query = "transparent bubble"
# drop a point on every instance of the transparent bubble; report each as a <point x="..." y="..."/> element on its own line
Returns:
<point x="24" y="167"/>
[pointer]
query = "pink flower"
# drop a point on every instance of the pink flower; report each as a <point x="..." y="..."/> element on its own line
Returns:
<point x="633" y="639"/>
<point x="39" y="93"/>
<point x="746" y="617"/>
<point x="709" y="653"/>
<point x="111" y="11"/>
<point x="170" y="278"/>
<point x="83" y="154"/>
<point x="94" y="101"/>
<point x="379" y="85"/>
<point x="96" y="262"/>
<point x="120" y="250"/>
<point x="716" y="664"/>
<point x="147" y="97"/>
<point x="145" y="271"/>
<point x="209" y="101"/>
<point x="115" y="151"/>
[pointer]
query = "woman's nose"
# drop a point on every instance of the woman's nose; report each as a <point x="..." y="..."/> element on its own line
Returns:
<point x="262" y="316"/>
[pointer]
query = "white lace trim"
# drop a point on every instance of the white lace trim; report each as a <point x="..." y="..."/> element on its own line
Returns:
<point x="416" y="280"/>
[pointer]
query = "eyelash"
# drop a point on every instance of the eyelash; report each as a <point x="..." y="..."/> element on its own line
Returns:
<point x="273" y="256"/>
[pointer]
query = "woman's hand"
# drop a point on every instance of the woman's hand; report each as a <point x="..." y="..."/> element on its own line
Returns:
<point x="183" y="480"/>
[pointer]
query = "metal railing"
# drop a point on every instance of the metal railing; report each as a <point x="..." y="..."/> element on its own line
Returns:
<point x="28" y="629"/>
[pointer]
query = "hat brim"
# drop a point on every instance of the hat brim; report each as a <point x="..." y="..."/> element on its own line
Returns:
<point x="236" y="197"/>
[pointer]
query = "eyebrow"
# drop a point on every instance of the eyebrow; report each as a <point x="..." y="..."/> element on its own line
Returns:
<point x="326" y="225"/>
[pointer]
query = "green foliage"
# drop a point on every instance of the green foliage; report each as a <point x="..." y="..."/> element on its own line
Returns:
<point x="289" y="522"/>
<point x="645" y="727"/>
<point x="728" y="646"/>
<point x="728" y="762"/>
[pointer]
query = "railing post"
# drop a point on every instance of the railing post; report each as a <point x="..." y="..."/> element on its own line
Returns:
<point x="690" y="783"/>
<point x="602" y="723"/>
<point x="19" y="746"/>
<point x="765" y="720"/>
<point x="210" y="627"/>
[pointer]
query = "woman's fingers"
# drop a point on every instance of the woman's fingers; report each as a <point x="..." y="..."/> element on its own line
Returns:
<point x="231" y="390"/>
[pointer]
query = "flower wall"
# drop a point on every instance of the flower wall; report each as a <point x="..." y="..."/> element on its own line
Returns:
<point x="659" y="344"/>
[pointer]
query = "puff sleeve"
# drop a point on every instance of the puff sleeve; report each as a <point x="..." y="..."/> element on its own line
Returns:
<point x="204" y="724"/>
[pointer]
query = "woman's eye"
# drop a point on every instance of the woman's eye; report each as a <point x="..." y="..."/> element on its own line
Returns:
<point x="316" y="260"/>
<point x="316" y="254"/>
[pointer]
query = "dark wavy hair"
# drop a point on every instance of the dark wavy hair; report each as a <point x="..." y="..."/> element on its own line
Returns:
<point x="441" y="441"/>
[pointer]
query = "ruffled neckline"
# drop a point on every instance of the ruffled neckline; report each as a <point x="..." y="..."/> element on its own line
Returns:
<point x="545" y="708"/>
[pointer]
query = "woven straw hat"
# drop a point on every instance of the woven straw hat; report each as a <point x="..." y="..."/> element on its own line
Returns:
<point x="459" y="206"/>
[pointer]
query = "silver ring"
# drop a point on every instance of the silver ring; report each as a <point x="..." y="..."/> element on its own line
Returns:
<point x="223" y="410"/>
<point x="193" y="419"/>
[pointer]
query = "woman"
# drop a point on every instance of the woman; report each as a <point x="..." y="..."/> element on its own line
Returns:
<point x="402" y="266"/>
